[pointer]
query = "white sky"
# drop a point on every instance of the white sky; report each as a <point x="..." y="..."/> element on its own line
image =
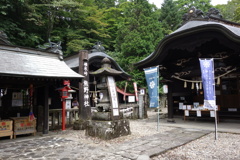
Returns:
<point x="213" y="2"/>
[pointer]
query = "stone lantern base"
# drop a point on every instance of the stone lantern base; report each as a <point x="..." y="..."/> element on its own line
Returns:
<point x="107" y="130"/>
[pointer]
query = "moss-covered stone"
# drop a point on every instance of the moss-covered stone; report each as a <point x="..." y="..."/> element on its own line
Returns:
<point x="80" y="124"/>
<point x="108" y="129"/>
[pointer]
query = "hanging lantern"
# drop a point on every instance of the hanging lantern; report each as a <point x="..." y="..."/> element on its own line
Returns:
<point x="200" y="85"/>
<point x="192" y="85"/>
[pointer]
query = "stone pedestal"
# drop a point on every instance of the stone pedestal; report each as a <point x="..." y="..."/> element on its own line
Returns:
<point x="108" y="129"/>
<point x="101" y="116"/>
<point x="80" y="124"/>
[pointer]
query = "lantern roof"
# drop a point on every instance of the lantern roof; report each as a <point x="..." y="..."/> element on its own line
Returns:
<point x="106" y="69"/>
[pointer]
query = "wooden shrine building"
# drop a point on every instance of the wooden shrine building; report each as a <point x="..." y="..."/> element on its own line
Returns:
<point x="178" y="54"/>
<point x="29" y="79"/>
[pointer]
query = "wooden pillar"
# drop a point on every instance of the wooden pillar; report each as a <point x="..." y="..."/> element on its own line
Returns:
<point x="84" y="96"/>
<point x="170" y="103"/>
<point x="46" y="111"/>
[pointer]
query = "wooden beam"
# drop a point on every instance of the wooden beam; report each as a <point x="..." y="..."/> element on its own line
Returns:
<point x="170" y="103"/>
<point x="45" y="111"/>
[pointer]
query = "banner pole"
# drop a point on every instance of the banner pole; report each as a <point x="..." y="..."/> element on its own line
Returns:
<point x="158" y="97"/>
<point x="158" y="120"/>
<point x="152" y="75"/>
<point x="216" y="125"/>
<point x="215" y="110"/>
<point x="209" y="85"/>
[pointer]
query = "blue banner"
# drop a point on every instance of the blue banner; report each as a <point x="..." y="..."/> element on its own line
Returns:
<point x="207" y="69"/>
<point x="151" y="75"/>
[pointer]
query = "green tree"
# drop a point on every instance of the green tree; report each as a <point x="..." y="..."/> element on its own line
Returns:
<point x="105" y="3"/>
<point x="185" y="5"/>
<point x="236" y="17"/>
<point x="137" y="35"/>
<point x="15" y="22"/>
<point x="78" y="24"/>
<point x="112" y="17"/>
<point x="229" y="10"/>
<point x="169" y="17"/>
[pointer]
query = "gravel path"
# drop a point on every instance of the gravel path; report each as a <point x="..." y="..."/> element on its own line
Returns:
<point x="139" y="128"/>
<point x="226" y="147"/>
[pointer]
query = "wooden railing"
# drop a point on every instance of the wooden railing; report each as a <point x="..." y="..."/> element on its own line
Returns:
<point x="55" y="117"/>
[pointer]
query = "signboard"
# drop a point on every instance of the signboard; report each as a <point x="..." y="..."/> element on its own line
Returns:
<point x="142" y="91"/>
<point x="131" y="99"/>
<point x="113" y="95"/>
<point x="5" y="125"/>
<point x="165" y="89"/>
<point x="17" y="99"/>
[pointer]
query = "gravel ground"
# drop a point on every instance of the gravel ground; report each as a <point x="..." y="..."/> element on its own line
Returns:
<point x="139" y="128"/>
<point x="226" y="147"/>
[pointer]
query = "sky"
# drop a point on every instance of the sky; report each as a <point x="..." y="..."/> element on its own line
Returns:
<point x="213" y="2"/>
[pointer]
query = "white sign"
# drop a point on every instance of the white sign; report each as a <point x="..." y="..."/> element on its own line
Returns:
<point x="212" y="113"/>
<point x="195" y="104"/>
<point x="232" y="109"/>
<point x="131" y="98"/>
<point x="186" y="112"/>
<point x="142" y="91"/>
<point x="113" y="95"/>
<point x="68" y="103"/>
<point x="165" y="89"/>
<point x="199" y="114"/>
<point x="115" y="112"/>
<point x="180" y="105"/>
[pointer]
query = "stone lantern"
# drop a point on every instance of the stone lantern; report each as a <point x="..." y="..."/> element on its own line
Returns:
<point x="106" y="123"/>
<point x="104" y="104"/>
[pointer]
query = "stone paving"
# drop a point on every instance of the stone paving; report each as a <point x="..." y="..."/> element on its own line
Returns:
<point x="58" y="148"/>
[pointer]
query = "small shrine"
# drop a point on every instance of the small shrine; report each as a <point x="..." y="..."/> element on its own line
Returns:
<point x="107" y="122"/>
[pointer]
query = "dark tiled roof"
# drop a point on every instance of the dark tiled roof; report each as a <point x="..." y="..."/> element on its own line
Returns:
<point x="230" y="29"/>
<point x="192" y="24"/>
<point x="33" y="63"/>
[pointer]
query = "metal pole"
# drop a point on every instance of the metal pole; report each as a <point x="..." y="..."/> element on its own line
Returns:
<point x="158" y="96"/>
<point x="158" y="120"/>
<point x="215" y="110"/>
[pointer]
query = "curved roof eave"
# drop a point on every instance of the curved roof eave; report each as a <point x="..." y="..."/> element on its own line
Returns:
<point x="231" y="32"/>
<point x="74" y="61"/>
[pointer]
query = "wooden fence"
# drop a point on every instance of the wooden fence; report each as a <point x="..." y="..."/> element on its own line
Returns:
<point x="55" y="117"/>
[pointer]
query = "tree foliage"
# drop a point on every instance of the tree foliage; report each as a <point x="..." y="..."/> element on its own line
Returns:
<point x="169" y="16"/>
<point x="229" y="10"/>
<point x="129" y="29"/>
<point x="185" y="5"/>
